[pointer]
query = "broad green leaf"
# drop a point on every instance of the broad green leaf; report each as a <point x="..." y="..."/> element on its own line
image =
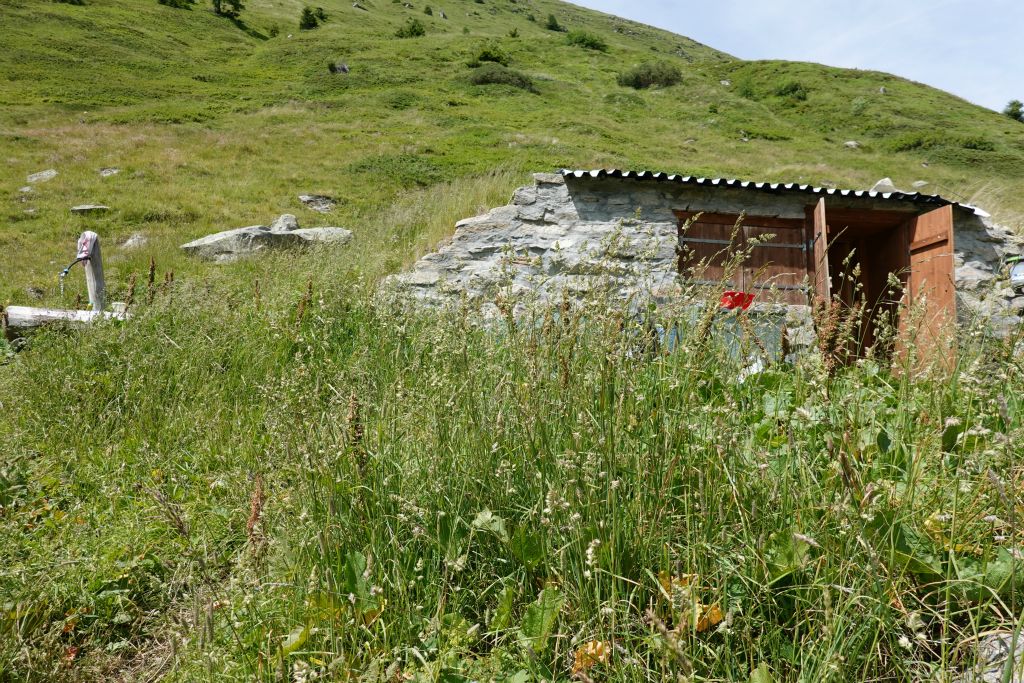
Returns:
<point x="540" y="618"/>
<point x="949" y="437"/>
<point x="488" y="521"/>
<point x="527" y="547"/>
<point x="883" y="442"/>
<point x="762" y="674"/>
<point x="294" y="641"/>
<point x="503" y="612"/>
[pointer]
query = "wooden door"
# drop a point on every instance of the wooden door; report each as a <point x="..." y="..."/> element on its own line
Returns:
<point x="931" y="286"/>
<point x="819" y="238"/>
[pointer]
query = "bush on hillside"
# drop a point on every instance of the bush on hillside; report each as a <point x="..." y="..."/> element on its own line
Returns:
<point x="587" y="40"/>
<point x="552" y="24"/>
<point x="909" y="142"/>
<point x="489" y="53"/>
<point x="308" y="20"/>
<point x="228" y="8"/>
<point x="178" y="4"/>
<point x="492" y="73"/>
<point x="428" y="11"/>
<point x="1015" y="110"/>
<point x="662" y="74"/>
<point x="71" y="2"/>
<point x="792" y="89"/>
<point x="412" y="29"/>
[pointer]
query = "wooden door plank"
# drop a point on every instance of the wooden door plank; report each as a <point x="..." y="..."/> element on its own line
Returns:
<point x="932" y="287"/>
<point x="822" y="277"/>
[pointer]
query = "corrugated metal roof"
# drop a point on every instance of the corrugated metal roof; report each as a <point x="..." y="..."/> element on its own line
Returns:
<point x="915" y="197"/>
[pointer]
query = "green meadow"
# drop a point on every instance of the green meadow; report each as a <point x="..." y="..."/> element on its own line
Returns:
<point x="273" y="472"/>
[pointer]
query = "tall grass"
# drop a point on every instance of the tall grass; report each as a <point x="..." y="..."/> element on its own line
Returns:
<point x="326" y="483"/>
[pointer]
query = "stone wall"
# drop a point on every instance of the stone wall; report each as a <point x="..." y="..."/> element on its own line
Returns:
<point x="572" y="235"/>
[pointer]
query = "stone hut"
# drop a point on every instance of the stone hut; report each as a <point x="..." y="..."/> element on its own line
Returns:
<point x="656" y="233"/>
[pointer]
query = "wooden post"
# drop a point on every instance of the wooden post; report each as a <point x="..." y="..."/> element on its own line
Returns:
<point x="89" y="248"/>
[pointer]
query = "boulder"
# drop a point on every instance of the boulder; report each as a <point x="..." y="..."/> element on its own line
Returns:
<point x="851" y="144"/>
<point x="885" y="185"/>
<point x="918" y="184"/>
<point x="42" y="176"/>
<point x="324" y="235"/>
<point x="109" y="171"/>
<point x="135" y="241"/>
<point x="231" y="244"/>
<point x="85" y="209"/>
<point x="990" y="656"/>
<point x="26" y="190"/>
<point x="318" y="202"/>
<point x="284" y="222"/>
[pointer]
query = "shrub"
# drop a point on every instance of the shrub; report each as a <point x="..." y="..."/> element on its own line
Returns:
<point x="412" y="29"/>
<point x="1015" y="110"/>
<point x="492" y="73"/>
<point x="909" y="142"/>
<point x="491" y="53"/>
<point x="308" y="20"/>
<point x="228" y="8"/>
<point x="514" y="33"/>
<point x="645" y="75"/>
<point x="71" y="2"/>
<point x="587" y="40"/>
<point x="178" y="4"/>
<point x="428" y="11"/>
<point x="791" y="89"/>
<point x="552" y="24"/>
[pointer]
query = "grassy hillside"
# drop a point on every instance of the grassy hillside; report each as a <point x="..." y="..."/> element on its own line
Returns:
<point x="217" y="124"/>
<point x="272" y="473"/>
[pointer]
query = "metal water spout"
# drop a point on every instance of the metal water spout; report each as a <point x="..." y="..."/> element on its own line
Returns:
<point x="89" y="253"/>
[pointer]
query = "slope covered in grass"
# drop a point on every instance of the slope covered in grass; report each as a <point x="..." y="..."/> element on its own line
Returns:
<point x="217" y="124"/>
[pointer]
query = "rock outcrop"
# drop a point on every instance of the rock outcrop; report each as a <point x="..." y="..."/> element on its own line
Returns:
<point x="283" y="233"/>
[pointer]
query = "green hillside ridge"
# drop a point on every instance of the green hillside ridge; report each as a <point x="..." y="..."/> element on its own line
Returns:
<point x="273" y="472"/>
<point x="218" y="125"/>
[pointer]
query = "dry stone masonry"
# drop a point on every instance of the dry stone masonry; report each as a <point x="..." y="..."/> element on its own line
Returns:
<point x="556" y="238"/>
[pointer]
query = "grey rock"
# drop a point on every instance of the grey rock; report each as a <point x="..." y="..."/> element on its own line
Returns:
<point x="851" y="144"/>
<point x="284" y="222"/>
<point x="324" y="235"/>
<point x="318" y="202"/>
<point x="726" y="82"/>
<point x="42" y="176"/>
<point x="88" y="209"/>
<point x="882" y="90"/>
<point x="1017" y="304"/>
<point x="231" y="244"/>
<point x="136" y="240"/>
<point x="26" y="190"/>
<point x="973" y="275"/>
<point x="990" y="654"/>
<point x="918" y="184"/>
<point x="109" y="171"/>
<point x="884" y="185"/>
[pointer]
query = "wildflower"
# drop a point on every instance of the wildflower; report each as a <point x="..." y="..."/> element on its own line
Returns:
<point x="590" y="654"/>
<point x="905" y="643"/>
<point x="592" y="551"/>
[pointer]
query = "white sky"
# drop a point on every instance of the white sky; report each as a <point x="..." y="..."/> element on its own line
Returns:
<point x="972" y="48"/>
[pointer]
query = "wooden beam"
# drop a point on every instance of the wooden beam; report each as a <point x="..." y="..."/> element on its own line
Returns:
<point x="23" y="318"/>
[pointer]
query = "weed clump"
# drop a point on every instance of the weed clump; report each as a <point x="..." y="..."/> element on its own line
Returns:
<point x="587" y="40"/>
<point x="413" y="28"/>
<point x="661" y="73"/>
<point x="177" y="4"/>
<point x="492" y="73"/>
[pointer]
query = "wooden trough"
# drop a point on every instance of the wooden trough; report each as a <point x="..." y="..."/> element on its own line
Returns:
<point x="19" y="319"/>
